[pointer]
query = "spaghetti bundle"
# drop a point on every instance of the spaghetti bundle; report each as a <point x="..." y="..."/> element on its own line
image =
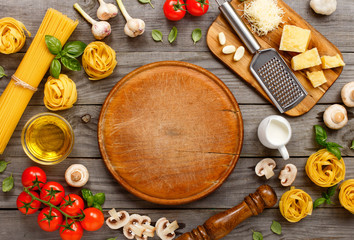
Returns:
<point x="325" y="169"/>
<point x="32" y="69"/>
<point x="12" y="35"/>
<point x="99" y="60"/>
<point x="59" y="94"/>
<point x="346" y="195"/>
<point x="295" y="204"/>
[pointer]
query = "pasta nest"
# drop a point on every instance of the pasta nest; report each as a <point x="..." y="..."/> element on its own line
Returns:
<point x="295" y="204"/>
<point x="59" y="94"/>
<point x="324" y="168"/>
<point x="12" y="35"/>
<point x="99" y="60"/>
<point x="346" y="195"/>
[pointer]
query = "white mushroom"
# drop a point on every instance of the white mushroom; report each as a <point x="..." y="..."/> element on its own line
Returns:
<point x="76" y="175"/>
<point x="287" y="175"/>
<point x="166" y="230"/>
<point x="265" y="168"/>
<point x="106" y="10"/>
<point x="146" y="223"/>
<point x="134" y="26"/>
<point x="348" y="94"/>
<point x="117" y="219"/>
<point x="325" y="7"/>
<point x="133" y="227"/>
<point x="335" y="116"/>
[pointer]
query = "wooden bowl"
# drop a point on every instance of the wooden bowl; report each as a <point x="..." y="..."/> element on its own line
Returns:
<point x="170" y="132"/>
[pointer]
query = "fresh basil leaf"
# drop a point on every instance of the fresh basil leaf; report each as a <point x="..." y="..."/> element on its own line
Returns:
<point x="276" y="227"/>
<point x="325" y="195"/>
<point x="86" y="193"/>
<point x="90" y="201"/>
<point x="3" y="165"/>
<point x="352" y="147"/>
<point x="8" y="184"/>
<point x="173" y="35"/>
<point x="99" y="198"/>
<point x="196" y="35"/>
<point x="55" y="68"/>
<point x="96" y="205"/>
<point x="2" y="72"/>
<point x="257" y="236"/>
<point x="146" y="1"/>
<point x="328" y="201"/>
<point x="318" y="202"/>
<point x="75" y="48"/>
<point x="321" y="135"/>
<point x="71" y="63"/>
<point x="335" y="151"/>
<point x="112" y="238"/>
<point x="156" y="35"/>
<point x="332" y="144"/>
<point x="53" y="44"/>
<point x="332" y="190"/>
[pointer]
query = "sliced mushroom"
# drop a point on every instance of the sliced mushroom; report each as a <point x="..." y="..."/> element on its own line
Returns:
<point x="133" y="227"/>
<point x="348" y="94"/>
<point x="335" y="116"/>
<point x="117" y="219"/>
<point x="265" y="168"/>
<point x="76" y="175"/>
<point x="166" y="230"/>
<point x="146" y="223"/>
<point x="288" y="174"/>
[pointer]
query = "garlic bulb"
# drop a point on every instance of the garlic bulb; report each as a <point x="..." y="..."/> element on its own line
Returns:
<point x="134" y="26"/>
<point x="106" y="10"/>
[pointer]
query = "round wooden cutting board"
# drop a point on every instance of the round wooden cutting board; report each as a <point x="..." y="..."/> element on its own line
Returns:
<point x="170" y="132"/>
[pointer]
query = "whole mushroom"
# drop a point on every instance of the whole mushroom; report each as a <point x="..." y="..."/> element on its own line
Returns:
<point x="288" y="174"/>
<point x="324" y="7"/>
<point x="117" y="219"/>
<point x="166" y="230"/>
<point x="76" y="175"/>
<point x="265" y="168"/>
<point x="335" y="116"/>
<point x="347" y="94"/>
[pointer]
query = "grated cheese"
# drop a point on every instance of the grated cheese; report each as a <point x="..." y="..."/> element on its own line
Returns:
<point x="263" y="15"/>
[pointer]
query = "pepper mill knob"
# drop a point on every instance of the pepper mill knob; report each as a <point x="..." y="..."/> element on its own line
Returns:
<point x="219" y="225"/>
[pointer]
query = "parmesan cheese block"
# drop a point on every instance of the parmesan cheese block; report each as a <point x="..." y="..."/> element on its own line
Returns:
<point x="317" y="78"/>
<point x="307" y="59"/>
<point x="332" y="61"/>
<point x="294" y="39"/>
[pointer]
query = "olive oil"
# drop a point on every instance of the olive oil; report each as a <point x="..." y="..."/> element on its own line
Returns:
<point x="47" y="138"/>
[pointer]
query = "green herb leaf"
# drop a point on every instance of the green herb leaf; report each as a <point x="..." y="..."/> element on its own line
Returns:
<point x="276" y="227"/>
<point x="86" y="193"/>
<point x="173" y="35"/>
<point x="321" y="135"/>
<point x="8" y="184"/>
<point x="332" y="190"/>
<point x="96" y="205"/>
<point x="257" y="236"/>
<point x="3" y="165"/>
<point x="74" y="49"/>
<point x="99" y="198"/>
<point x="318" y="202"/>
<point x="196" y="35"/>
<point x="71" y="63"/>
<point x="2" y="72"/>
<point x="156" y="35"/>
<point x="55" y="68"/>
<point x="112" y="238"/>
<point x="352" y="147"/>
<point x="146" y="1"/>
<point x="335" y="150"/>
<point x="332" y="144"/>
<point x="53" y="44"/>
<point x="90" y="201"/>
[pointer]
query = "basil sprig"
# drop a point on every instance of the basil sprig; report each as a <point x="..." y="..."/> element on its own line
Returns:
<point x="321" y="139"/>
<point x="2" y="72"/>
<point x="95" y="201"/>
<point x="66" y="55"/>
<point x="326" y="197"/>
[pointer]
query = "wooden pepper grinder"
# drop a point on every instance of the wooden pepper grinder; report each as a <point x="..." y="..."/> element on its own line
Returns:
<point x="219" y="225"/>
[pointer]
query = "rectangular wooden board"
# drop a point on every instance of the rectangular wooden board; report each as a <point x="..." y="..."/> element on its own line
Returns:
<point x="272" y="40"/>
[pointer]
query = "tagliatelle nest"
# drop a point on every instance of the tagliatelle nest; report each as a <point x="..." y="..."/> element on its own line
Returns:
<point x="346" y="195"/>
<point x="325" y="169"/>
<point x="12" y="35"/>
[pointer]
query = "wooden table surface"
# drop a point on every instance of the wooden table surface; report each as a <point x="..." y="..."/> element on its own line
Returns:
<point x="326" y="222"/>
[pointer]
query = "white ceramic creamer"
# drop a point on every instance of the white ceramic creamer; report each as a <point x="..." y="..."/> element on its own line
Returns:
<point x="274" y="132"/>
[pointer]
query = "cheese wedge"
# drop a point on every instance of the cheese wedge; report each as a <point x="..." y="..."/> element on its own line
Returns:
<point x="294" y="39"/>
<point x="317" y="78"/>
<point x="332" y="61"/>
<point x="307" y="59"/>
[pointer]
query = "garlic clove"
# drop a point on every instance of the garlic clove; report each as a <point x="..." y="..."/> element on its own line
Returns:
<point x="222" y="38"/>
<point x="229" y="49"/>
<point x="239" y="53"/>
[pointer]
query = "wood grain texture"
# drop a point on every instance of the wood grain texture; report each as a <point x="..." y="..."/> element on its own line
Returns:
<point x="272" y="40"/>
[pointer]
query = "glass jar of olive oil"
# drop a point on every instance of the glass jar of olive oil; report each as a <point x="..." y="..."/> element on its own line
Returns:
<point x="47" y="138"/>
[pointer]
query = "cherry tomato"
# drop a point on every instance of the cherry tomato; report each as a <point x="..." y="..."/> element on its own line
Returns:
<point x="25" y="205"/>
<point x="174" y="9"/>
<point x="197" y="7"/>
<point x="72" y="231"/>
<point x="93" y="220"/>
<point x="72" y="204"/>
<point x="33" y="177"/>
<point x="53" y="192"/>
<point x="48" y="220"/>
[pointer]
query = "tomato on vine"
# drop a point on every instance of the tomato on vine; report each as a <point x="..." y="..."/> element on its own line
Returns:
<point x="93" y="220"/>
<point x="34" y="178"/>
<point x="53" y="192"/>
<point x="197" y="7"/>
<point x="25" y="203"/>
<point x="49" y="219"/>
<point x="72" y="204"/>
<point x="174" y="9"/>
<point x="71" y="230"/>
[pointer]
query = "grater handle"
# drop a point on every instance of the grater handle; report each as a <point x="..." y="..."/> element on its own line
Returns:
<point x="240" y="28"/>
